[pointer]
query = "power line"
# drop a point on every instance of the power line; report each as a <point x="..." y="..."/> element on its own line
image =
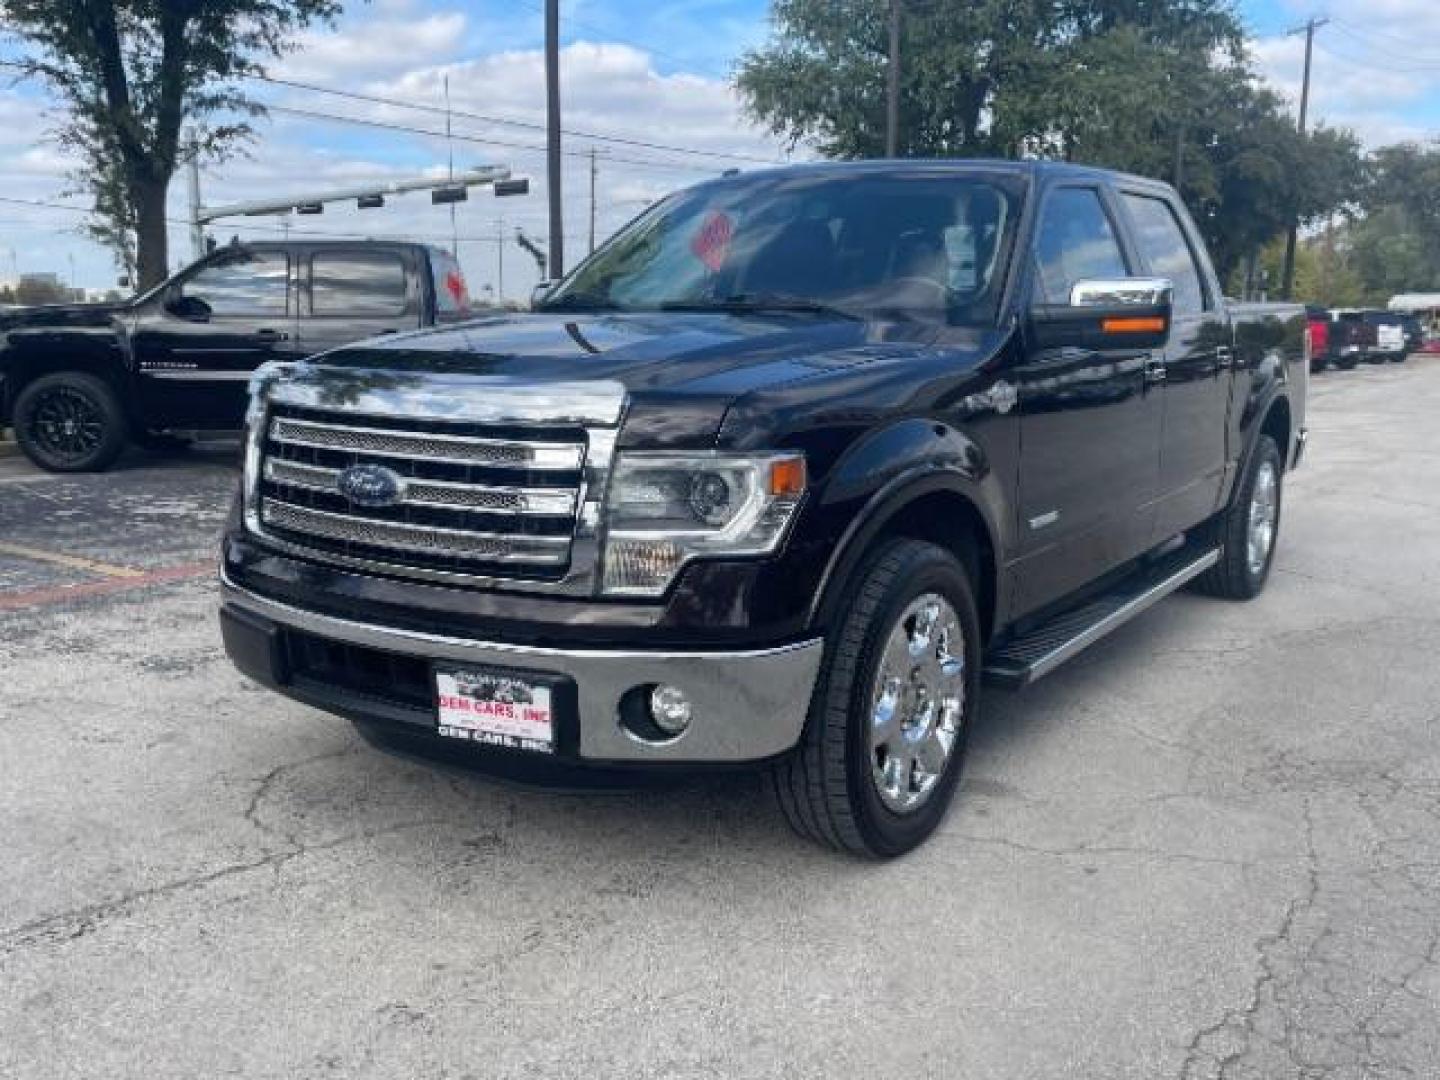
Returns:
<point x="377" y="99"/>
<point x="386" y="125"/>
<point x="1393" y="41"/>
<point x="412" y="129"/>
<point x="1380" y="56"/>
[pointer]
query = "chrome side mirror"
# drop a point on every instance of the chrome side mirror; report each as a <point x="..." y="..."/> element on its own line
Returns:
<point x="1122" y="292"/>
<point x="541" y="291"/>
<point x="1110" y="313"/>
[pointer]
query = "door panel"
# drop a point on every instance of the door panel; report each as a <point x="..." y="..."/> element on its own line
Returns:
<point x="1089" y="422"/>
<point x="194" y="371"/>
<point x="1198" y="370"/>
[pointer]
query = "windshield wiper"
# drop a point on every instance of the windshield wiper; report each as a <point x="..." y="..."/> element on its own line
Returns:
<point x="760" y="301"/>
<point x="579" y="302"/>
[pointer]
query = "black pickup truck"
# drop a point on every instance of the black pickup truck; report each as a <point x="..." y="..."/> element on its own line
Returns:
<point x="779" y="475"/>
<point x="77" y="382"/>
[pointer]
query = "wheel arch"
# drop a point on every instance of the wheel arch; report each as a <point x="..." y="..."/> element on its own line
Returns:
<point x="938" y="505"/>
<point x="1278" y="423"/>
<point x="33" y="353"/>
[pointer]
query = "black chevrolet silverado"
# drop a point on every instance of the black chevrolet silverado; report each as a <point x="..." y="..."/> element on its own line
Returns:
<point x="779" y="475"/>
<point x="79" y="381"/>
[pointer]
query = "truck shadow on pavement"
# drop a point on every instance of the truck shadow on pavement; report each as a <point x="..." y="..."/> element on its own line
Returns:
<point x="627" y="820"/>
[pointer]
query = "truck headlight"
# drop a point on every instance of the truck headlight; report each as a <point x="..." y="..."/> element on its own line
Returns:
<point x="665" y="509"/>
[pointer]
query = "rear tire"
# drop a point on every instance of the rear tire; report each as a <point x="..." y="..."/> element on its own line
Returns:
<point x="884" y="745"/>
<point x="70" y="422"/>
<point x="1248" y="529"/>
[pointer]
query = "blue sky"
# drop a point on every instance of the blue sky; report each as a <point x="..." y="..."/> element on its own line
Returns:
<point x="647" y="72"/>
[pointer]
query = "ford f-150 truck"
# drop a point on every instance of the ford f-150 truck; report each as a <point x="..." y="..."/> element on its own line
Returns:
<point x="779" y="475"/>
<point x="79" y="381"/>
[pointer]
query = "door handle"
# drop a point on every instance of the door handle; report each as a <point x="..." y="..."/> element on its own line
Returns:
<point x="270" y="336"/>
<point x="1155" y="371"/>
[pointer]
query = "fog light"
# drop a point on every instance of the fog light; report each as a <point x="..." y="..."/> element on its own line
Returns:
<point x="670" y="709"/>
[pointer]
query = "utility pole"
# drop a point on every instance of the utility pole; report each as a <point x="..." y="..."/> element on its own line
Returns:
<point x="594" y="169"/>
<point x="197" y="230"/>
<point x="892" y="89"/>
<point x="500" y="261"/>
<point x="1287" y="278"/>
<point x="450" y="169"/>
<point x="552" y="136"/>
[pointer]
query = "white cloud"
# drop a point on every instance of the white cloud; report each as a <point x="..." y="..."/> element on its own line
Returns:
<point x="372" y="47"/>
<point x="1375" y="68"/>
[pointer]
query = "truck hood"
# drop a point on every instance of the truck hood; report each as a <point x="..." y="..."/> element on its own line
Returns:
<point x="682" y="370"/>
<point x="60" y="315"/>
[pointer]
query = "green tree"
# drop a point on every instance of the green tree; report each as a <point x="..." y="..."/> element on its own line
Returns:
<point x="1157" y="87"/>
<point x="131" y="73"/>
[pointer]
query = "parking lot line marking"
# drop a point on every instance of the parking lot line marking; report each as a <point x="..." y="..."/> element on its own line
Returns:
<point x="73" y="562"/>
<point x="59" y="594"/>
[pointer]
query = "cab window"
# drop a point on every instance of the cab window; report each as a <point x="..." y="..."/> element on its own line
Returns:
<point x="1074" y="241"/>
<point x="253" y="284"/>
<point x="357" y="284"/>
<point x="1162" y="241"/>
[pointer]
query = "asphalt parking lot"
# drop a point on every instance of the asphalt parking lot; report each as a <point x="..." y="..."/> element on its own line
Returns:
<point x="1209" y="847"/>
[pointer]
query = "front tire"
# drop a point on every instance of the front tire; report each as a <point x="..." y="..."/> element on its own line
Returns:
<point x="70" y="422"/>
<point x="1248" y="529"/>
<point x="884" y="746"/>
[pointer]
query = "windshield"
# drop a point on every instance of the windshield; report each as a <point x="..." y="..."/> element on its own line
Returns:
<point x="930" y="246"/>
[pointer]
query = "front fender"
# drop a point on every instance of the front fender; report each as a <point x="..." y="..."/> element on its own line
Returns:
<point x="887" y="471"/>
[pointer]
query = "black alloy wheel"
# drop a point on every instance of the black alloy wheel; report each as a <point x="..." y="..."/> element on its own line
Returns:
<point x="70" y="422"/>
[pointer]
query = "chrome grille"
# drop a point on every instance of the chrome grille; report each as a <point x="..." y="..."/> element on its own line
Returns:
<point x="452" y="449"/>
<point x="473" y="500"/>
<point x="533" y="549"/>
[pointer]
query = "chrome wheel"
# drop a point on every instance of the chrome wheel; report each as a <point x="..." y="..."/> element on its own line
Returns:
<point x="917" y="702"/>
<point x="1264" y="509"/>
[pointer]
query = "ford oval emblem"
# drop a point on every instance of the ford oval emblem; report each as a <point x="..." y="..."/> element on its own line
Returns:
<point x="371" y="485"/>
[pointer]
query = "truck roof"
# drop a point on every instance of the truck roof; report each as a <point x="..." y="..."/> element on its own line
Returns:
<point x="932" y="166"/>
<point x="322" y="241"/>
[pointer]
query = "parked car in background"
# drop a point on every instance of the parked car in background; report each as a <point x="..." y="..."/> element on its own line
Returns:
<point x="774" y="477"/>
<point x="1317" y="323"/>
<point x="1349" y="334"/>
<point x="1414" y="333"/>
<point x="1385" y="337"/>
<point x="78" y="382"/>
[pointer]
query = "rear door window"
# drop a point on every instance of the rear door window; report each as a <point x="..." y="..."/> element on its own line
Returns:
<point x="1075" y="241"/>
<point x="358" y="284"/>
<point x="1162" y="241"/>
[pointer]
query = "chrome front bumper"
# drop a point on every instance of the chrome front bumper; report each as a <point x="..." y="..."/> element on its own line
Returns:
<point x="748" y="705"/>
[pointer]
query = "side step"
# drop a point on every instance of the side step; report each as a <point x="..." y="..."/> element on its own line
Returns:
<point x="1022" y="660"/>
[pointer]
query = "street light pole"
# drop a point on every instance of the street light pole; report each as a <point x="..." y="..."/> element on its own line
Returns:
<point x="1287" y="276"/>
<point x="197" y="230"/>
<point x="552" y="136"/>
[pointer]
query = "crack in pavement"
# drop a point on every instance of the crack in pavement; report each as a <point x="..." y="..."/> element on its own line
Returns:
<point x="78" y="922"/>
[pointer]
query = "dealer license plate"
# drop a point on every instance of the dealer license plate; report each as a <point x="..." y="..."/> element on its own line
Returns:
<point x="495" y="709"/>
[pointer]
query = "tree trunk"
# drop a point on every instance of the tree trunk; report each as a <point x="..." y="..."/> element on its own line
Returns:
<point x="151" y="238"/>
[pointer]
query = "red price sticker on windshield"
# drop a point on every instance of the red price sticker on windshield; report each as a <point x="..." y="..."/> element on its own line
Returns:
<point x="712" y="243"/>
<point x="455" y="286"/>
